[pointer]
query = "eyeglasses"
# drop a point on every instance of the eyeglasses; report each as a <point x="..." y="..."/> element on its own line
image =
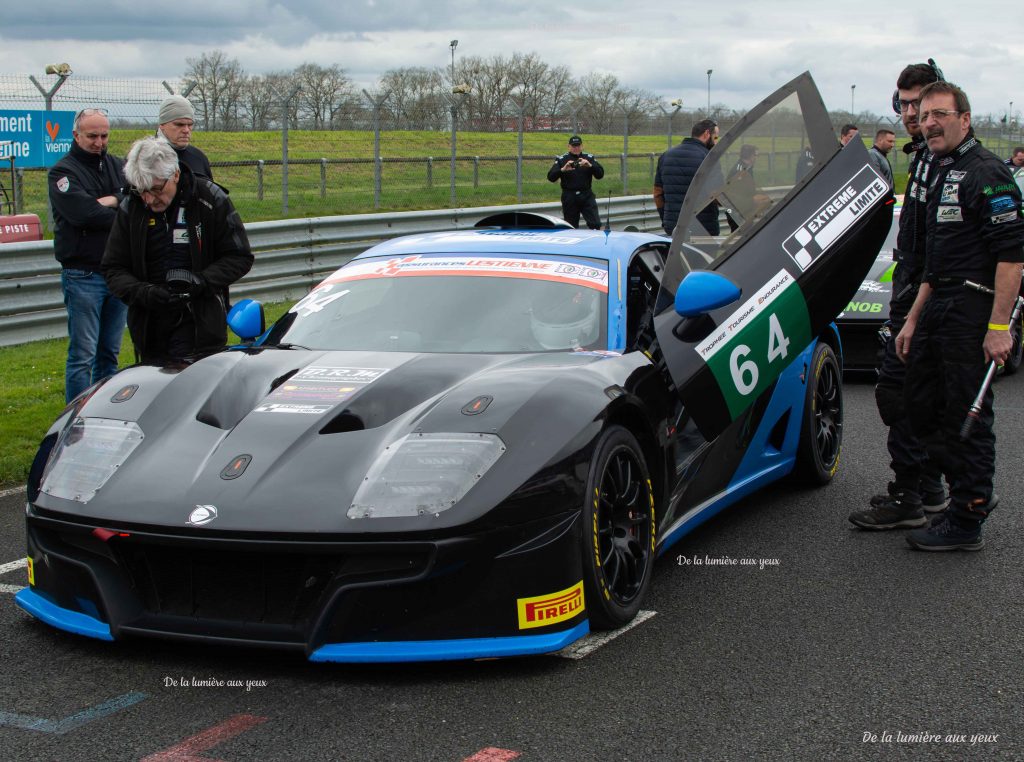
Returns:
<point x="905" y="104"/>
<point x="156" y="190"/>
<point x="938" y="113"/>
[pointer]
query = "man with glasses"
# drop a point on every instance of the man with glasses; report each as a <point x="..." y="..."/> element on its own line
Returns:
<point x="84" y="187"/>
<point x="176" y="120"/>
<point x="916" y="487"/>
<point x="676" y="168"/>
<point x="176" y="245"/>
<point x="959" y="322"/>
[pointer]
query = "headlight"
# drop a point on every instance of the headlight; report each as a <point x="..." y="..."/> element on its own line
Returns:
<point x="424" y="473"/>
<point x="86" y="456"/>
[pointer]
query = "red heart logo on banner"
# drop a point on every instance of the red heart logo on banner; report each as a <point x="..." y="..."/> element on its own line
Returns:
<point x="52" y="129"/>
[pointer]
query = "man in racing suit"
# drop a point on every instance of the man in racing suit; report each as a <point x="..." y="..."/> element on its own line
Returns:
<point x="576" y="170"/>
<point x="959" y="322"/>
<point x="176" y="245"/>
<point x="917" y="485"/>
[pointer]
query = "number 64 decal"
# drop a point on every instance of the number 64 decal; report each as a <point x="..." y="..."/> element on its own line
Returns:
<point x="745" y="373"/>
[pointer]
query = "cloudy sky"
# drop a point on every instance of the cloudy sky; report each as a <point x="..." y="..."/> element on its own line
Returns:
<point x="666" y="48"/>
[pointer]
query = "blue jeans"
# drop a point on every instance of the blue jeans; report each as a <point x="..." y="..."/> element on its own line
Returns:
<point x="96" y="321"/>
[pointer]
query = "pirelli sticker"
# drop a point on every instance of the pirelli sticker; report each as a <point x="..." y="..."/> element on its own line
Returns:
<point x="755" y="343"/>
<point x="823" y="228"/>
<point x="542" y="610"/>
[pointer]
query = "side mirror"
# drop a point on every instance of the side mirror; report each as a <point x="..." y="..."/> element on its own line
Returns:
<point x="247" y="320"/>
<point x="702" y="291"/>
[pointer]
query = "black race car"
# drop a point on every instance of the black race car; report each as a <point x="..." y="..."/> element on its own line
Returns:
<point x="465" y="444"/>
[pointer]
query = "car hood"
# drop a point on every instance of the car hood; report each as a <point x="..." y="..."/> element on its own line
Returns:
<point x="309" y="425"/>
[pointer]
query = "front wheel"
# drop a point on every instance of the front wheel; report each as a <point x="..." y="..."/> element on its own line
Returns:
<point x="821" y="431"/>
<point x="618" y="530"/>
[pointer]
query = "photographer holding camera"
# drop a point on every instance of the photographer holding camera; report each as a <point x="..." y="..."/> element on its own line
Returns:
<point x="176" y="245"/>
<point x="577" y="170"/>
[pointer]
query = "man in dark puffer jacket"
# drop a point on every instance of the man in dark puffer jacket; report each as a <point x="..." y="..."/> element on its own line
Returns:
<point x="676" y="168"/>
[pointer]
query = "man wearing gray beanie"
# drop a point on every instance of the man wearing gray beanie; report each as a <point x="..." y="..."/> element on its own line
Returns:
<point x="176" y="120"/>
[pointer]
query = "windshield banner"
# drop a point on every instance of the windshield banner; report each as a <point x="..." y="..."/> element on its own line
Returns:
<point x="591" y="275"/>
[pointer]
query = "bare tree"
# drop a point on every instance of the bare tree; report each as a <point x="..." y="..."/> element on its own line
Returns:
<point x="325" y="91"/>
<point x="218" y="86"/>
<point x="416" y="99"/>
<point x="258" y="98"/>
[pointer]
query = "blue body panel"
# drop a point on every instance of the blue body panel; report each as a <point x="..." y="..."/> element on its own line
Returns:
<point x="445" y="650"/>
<point x="62" y="619"/>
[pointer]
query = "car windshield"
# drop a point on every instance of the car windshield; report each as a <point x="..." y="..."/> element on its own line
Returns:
<point x="454" y="303"/>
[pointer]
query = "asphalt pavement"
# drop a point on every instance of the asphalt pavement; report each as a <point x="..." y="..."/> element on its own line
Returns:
<point x="796" y="637"/>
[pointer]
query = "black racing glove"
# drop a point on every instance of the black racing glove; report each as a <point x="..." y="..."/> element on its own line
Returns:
<point x="155" y="297"/>
<point x="200" y="288"/>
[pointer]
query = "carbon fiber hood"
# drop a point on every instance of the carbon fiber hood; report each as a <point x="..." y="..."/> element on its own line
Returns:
<point x="309" y="425"/>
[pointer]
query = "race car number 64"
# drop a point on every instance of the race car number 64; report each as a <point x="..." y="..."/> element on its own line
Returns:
<point x="744" y="372"/>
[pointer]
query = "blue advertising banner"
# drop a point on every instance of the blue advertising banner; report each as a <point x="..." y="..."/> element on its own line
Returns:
<point x="35" y="138"/>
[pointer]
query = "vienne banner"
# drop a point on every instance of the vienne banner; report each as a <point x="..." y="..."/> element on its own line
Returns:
<point x="35" y="138"/>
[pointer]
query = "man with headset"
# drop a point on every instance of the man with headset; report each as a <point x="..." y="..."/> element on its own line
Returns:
<point x="916" y="487"/>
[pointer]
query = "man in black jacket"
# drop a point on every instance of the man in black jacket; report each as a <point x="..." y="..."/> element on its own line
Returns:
<point x="576" y="170"/>
<point x="175" y="247"/>
<point x="916" y="487"/>
<point x="960" y="320"/>
<point x="676" y="168"/>
<point x="177" y="118"/>
<point x="85" y="189"/>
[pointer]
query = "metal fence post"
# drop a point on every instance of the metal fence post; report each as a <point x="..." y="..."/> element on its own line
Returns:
<point x="377" y="103"/>
<point x="476" y="171"/>
<point x="284" y="150"/>
<point x="652" y="169"/>
<point x="19" y="190"/>
<point x="622" y="171"/>
<point x="430" y="171"/>
<point x="323" y="178"/>
<point x="259" y="179"/>
<point x="625" y="152"/>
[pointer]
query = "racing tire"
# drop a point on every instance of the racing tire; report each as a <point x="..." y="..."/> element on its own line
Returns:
<point x="618" y="531"/>
<point x="821" y="430"/>
<point x="1012" y="363"/>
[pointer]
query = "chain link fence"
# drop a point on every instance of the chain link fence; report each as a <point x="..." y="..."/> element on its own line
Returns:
<point x="378" y="157"/>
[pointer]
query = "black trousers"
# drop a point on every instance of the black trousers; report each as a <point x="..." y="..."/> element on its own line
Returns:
<point x="913" y="471"/>
<point x="575" y="203"/>
<point x="945" y="371"/>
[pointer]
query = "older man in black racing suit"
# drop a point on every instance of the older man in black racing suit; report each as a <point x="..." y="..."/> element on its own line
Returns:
<point x="960" y="319"/>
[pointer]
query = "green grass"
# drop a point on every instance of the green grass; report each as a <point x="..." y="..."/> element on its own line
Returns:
<point x="32" y="396"/>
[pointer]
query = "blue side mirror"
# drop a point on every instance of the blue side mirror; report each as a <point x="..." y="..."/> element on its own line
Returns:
<point x="247" y="320"/>
<point x="702" y="291"/>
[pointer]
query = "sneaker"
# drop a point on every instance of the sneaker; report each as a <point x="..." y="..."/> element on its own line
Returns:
<point x="947" y="534"/>
<point x="934" y="502"/>
<point x="877" y="500"/>
<point x="893" y="513"/>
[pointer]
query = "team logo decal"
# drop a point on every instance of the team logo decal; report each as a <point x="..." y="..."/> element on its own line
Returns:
<point x="834" y="217"/>
<point x="63" y="184"/>
<point x="203" y="514"/>
<point x="949" y="214"/>
<point x="950" y="193"/>
<point x="543" y="610"/>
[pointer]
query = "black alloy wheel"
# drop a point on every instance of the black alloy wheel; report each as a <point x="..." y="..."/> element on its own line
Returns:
<point x="821" y="434"/>
<point x="619" y="531"/>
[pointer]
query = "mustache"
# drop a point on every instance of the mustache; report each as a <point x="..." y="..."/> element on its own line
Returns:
<point x="934" y="133"/>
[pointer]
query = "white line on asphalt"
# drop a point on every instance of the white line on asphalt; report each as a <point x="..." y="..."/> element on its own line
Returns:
<point x="12" y="566"/>
<point x="587" y="645"/>
<point x="12" y="491"/>
<point x="11" y="588"/>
